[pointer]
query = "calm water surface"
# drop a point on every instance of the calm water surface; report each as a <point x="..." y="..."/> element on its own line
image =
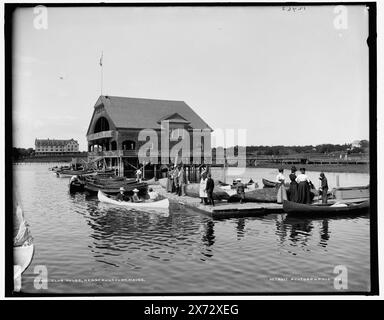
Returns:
<point x="88" y="247"/>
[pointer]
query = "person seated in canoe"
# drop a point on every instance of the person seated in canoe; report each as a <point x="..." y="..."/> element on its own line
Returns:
<point x="153" y="195"/>
<point x="135" y="197"/>
<point x="121" y="196"/>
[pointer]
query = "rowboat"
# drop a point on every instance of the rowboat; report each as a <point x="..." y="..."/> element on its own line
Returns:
<point x="23" y="248"/>
<point x="160" y="204"/>
<point x="227" y="187"/>
<point x="319" y="208"/>
<point x="257" y="195"/>
<point x="268" y="183"/>
<point x="193" y="190"/>
<point x="94" y="187"/>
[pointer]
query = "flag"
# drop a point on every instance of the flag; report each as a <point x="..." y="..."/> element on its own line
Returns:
<point x="101" y="59"/>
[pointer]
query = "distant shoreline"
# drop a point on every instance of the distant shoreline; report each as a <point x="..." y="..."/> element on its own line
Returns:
<point x="342" y="168"/>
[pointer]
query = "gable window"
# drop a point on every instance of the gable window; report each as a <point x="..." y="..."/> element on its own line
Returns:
<point x="102" y="124"/>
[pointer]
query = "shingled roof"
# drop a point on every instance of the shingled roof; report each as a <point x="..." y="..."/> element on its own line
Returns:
<point x="139" y="113"/>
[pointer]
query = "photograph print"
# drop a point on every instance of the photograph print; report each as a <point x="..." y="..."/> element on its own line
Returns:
<point x="189" y="149"/>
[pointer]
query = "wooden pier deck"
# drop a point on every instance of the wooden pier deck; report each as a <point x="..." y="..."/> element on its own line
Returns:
<point x="222" y="209"/>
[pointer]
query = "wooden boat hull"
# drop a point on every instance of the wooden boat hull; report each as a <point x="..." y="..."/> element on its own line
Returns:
<point x="193" y="190"/>
<point x="268" y="183"/>
<point x="160" y="204"/>
<point x="114" y="189"/>
<point x="23" y="248"/>
<point x="272" y="184"/>
<point x="257" y="195"/>
<point x="308" y="209"/>
<point x="76" y="187"/>
<point x="83" y="173"/>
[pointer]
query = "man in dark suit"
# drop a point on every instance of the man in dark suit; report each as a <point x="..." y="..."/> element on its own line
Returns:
<point x="324" y="188"/>
<point x="209" y="189"/>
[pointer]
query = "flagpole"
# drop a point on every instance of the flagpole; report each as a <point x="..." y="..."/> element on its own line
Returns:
<point x="101" y="73"/>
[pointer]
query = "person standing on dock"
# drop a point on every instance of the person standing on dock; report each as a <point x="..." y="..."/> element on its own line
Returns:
<point x="324" y="188"/>
<point x="293" y="194"/>
<point x="280" y="185"/>
<point x="209" y="189"/>
<point x="240" y="189"/>
<point x="176" y="180"/>
<point x="138" y="175"/>
<point x="170" y="179"/>
<point x="203" y="188"/>
<point x="303" y="188"/>
<point x="181" y="181"/>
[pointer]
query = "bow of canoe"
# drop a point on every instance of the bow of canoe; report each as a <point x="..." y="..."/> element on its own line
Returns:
<point x="338" y="208"/>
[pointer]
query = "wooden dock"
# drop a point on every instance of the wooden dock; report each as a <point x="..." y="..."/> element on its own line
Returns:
<point x="222" y="209"/>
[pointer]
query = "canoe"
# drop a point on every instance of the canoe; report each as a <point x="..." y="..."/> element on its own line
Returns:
<point x="257" y="195"/>
<point x="344" y="193"/>
<point x="70" y="173"/>
<point x="193" y="190"/>
<point x="337" y="208"/>
<point x="23" y="248"/>
<point x="113" y="189"/>
<point x="113" y="180"/>
<point x="160" y="204"/>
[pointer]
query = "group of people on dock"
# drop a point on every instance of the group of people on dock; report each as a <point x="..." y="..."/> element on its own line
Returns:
<point x="300" y="187"/>
<point x="176" y="180"/>
<point x="207" y="184"/>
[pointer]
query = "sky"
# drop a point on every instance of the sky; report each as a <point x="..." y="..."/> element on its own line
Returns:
<point x="285" y="77"/>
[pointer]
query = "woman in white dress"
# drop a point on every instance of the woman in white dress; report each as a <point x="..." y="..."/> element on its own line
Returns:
<point x="280" y="185"/>
<point x="203" y="186"/>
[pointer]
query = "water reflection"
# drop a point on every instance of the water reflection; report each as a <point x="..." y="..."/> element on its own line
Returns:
<point x="324" y="233"/>
<point x="240" y="228"/>
<point x="208" y="239"/>
<point x="185" y="250"/>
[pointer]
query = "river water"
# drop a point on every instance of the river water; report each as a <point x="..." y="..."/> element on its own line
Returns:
<point x="88" y="247"/>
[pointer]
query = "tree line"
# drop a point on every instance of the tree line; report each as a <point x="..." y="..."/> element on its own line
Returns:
<point x="326" y="149"/>
<point x="19" y="153"/>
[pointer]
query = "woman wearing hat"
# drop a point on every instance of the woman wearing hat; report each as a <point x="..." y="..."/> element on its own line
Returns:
<point x="281" y="192"/>
<point x="121" y="196"/>
<point x="135" y="197"/>
<point x="303" y="188"/>
<point x="293" y="194"/>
